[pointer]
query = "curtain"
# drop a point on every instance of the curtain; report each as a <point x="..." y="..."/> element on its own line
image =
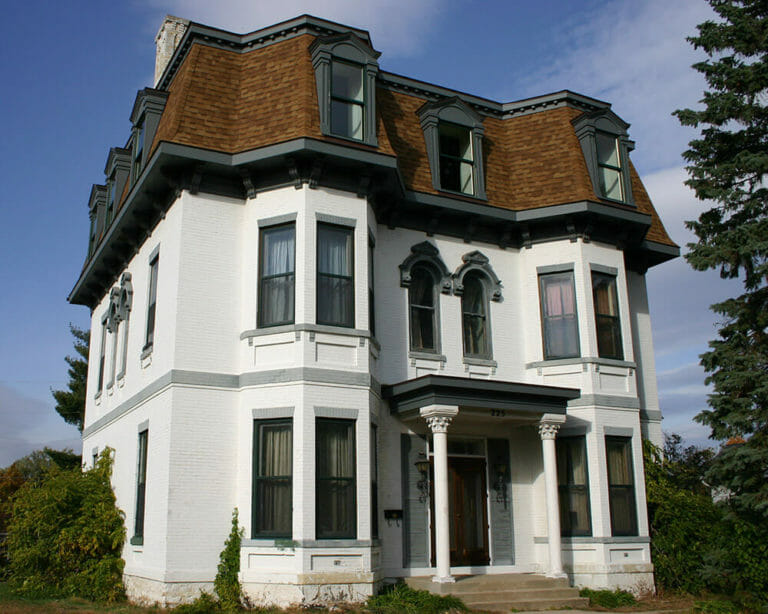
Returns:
<point x="274" y="480"/>
<point x="473" y="309"/>
<point x="335" y="287"/>
<point x="421" y="296"/>
<point x="277" y="276"/>
<point x="607" y="316"/>
<point x="621" y="486"/>
<point x="573" y="486"/>
<point x="560" y="325"/>
<point x="336" y="509"/>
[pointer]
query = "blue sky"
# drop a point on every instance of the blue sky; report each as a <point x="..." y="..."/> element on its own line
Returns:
<point x="70" y="72"/>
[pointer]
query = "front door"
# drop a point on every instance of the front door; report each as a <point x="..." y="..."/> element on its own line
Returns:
<point x="468" y="514"/>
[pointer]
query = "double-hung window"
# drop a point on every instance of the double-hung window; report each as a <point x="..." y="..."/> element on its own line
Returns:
<point x="152" y="301"/>
<point x="422" y="301"/>
<point x="607" y="316"/>
<point x="335" y="500"/>
<point x="371" y="295"/>
<point x="456" y="158"/>
<point x="141" y="487"/>
<point x="474" y="312"/>
<point x="609" y="166"/>
<point x="335" y="277"/>
<point x="573" y="486"/>
<point x="277" y="279"/>
<point x="347" y="100"/>
<point x="621" y="485"/>
<point x="102" y="355"/>
<point x="272" y="506"/>
<point x="558" y="311"/>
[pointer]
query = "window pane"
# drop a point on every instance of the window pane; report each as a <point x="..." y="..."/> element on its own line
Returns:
<point x="347" y="119"/>
<point x="561" y="333"/>
<point x="335" y="481"/>
<point x="449" y="174"/>
<point x="465" y="179"/>
<point x="455" y="141"/>
<point x="273" y="476"/>
<point x="276" y="288"/>
<point x="573" y="486"/>
<point x="335" y="301"/>
<point x="334" y="250"/>
<point x="335" y="282"/>
<point x="610" y="180"/>
<point x="607" y="316"/>
<point x="421" y="296"/>
<point x="473" y="307"/>
<point x="621" y="486"/>
<point x="607" y="152"/>
<point x="278" y="251"/>
<point x="347" y="81"/>
<point x="456" y="160"/>
<point x="141" y="483"/>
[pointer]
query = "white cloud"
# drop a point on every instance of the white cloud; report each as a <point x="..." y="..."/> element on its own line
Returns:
<point x="395" y="25"/>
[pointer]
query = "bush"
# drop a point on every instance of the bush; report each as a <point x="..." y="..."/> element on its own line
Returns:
<point x="227" y="584"/>
<point x="400" y="598"/>
<point x="608" y="599"/>
<point x="65" y="536"/>
<point x="204" y="604"/>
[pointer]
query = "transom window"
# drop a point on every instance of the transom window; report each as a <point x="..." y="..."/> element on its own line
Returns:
<point x="422" y="300"/>
<point x="474" y="309"/>
<point x="335" y="503"/>
<point x="456" y="159"/>
<point x="573" y="486"/>
<point x="609" y="165"/>
<point x="559" y="321"/>
<point x="607" y="316"/>
<point x="335" y="277"/>
<point x="277" y="275"/>
<point x="272" y="478"/>
<point x="347" y="100"/>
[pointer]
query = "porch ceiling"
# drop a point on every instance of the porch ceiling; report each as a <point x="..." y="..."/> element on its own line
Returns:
<point x="405" y="398"/>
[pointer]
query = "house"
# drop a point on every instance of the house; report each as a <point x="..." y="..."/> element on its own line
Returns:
<point x="404" y="330"/>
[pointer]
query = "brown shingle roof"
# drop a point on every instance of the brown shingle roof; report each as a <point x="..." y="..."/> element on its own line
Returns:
<point x="233" y="102"/>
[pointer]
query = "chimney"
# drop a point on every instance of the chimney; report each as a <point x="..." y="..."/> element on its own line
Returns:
<point x="168" y="38"/>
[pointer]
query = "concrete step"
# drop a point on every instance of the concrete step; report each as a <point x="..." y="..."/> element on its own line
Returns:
<point x="489" y="582"/>
<point x="518" y="595"/>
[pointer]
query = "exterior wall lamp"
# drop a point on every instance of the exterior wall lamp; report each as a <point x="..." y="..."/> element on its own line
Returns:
<point x="422" y="466"/>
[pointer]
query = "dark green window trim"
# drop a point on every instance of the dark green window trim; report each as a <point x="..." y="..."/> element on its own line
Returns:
<point x="263" y="483"/>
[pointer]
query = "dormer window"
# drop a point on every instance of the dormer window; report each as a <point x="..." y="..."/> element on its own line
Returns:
<point x="347" y="100"/>
<point x="111" y="189"/>
<point x="456" y="162"/>
<point x="453" y="134"/>
<point x="138" y="151"/>
<point x="606" y="146"/>
<point x="345" y="73"/>
<point x="145" y="117"/>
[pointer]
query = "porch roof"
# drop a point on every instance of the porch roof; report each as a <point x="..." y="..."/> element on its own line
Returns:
<point x="408" y="396"/>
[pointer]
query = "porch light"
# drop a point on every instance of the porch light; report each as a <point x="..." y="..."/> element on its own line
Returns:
<point x="422" y="466"/>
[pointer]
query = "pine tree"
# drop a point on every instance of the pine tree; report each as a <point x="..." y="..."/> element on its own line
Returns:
<point x="727" y="167"/>
<point x="71" y="403"/>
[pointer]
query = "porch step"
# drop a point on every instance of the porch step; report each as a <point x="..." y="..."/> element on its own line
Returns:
<point x="503" y="592"/>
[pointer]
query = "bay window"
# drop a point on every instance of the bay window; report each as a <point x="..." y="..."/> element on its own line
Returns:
<point x="573" y="486"/>
<point x="335" y="276"/>
<point x="621" y="485"/>
<point x="607" y="320"/>
<point x="558" y="311"/>
<point x="272" y="505"/>
<point x="335" y="500"/>
<point x="277" y="263"/>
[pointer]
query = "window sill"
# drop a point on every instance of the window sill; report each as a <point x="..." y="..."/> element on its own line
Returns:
<point x="137" y="540"/>
<point x="285" y="543"/>
<point x="434" y="356"/>
<point x="97" y="397"/>
<point x="576" y="360"/>
<point x="585" y="539"/>
<point x="146" y="351"/>
<point x="480" y="362"/>
<point x="473" y="196"/>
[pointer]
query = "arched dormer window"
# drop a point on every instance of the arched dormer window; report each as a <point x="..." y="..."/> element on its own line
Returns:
<point x="477" y="284"/>
<point x="425" y="275"/>
<point x="345" y="74"/>
<point x="606" y="146"/>
<point x="453" y="134"/>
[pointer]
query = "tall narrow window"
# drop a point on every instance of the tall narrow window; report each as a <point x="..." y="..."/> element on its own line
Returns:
<point x="422" y="301"/>
<point x="102" y="355"/>
<point x="347" y="100"/>
<point x="141" y="486"/>
<point x="111" y="200"/>
<point x="474" y="309"/>
<point x="456" y="160"/>
<point x="374" y="482"/>
<point x="152" y="301"/>
<point x="277" y="264"/>
<point x="573" y="486"/>
<point x="607" y="316"/>
<point x="558" y="307"/>
<point x="138" y="151"/>
<point x="609" y="166"/>
<point x="371" y="303"/>
<point x="92" y="235"/>
<point x="335" y="501"/>
<point x="272" y="478"/>
<point x="621" y="485"/>
<point x="335" y="279"/>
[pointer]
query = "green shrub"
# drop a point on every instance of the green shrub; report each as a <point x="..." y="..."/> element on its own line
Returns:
<point x="608" y="599"/>
<point x="204" y="604"/>
<point x="65" y="536"/>
<point x="227" y="584"/>
<point x="717" y="607"/>
<point x="401" y="599"/>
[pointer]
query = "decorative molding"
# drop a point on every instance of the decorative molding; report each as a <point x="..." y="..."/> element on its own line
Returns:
<point x="271" y="413"/>
<point x="425" y="252"/>
<point x="548" y="430"/>
<point x="563" y="267"/>
<point x="602" y="268"/>
<point x="477" y="261"/>
<point x="276" y="220"/>
<point x="439" y="417"/>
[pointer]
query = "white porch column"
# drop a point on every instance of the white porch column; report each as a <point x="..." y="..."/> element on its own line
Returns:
<point x="548" y="427"/>
<point x="438" y="418"/>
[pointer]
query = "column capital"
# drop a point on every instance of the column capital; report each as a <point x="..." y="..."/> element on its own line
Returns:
<point x="550" y="424"/>
<point x="439" y="417"/>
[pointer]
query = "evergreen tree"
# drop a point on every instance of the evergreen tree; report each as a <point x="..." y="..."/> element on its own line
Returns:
<point x="727" y="168"/>
<point x="71" y="403"/>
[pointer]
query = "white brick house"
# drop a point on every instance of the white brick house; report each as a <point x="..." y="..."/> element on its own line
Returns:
<point x="403" y="330"/>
